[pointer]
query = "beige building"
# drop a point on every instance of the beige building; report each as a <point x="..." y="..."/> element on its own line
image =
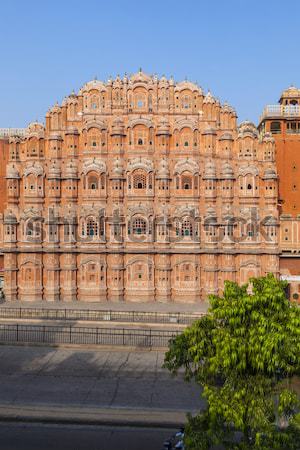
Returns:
<point x="138" y="189"/>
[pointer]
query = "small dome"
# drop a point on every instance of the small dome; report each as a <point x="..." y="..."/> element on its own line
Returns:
<point x="163" y="127"/>
<point x="140" y="77"/>
<point x="118" y="168"/>
<point x="270" y="221"/>
<point x="247" y="128"/>
<point x="209" y="130"/>
<point x="209" y="98"/>
<point x="268" y="137"/>
<point x="226" y="108"/>
<point x="210" y="171"/>
<point x="226" y="137"/>
<point x="227" y="171"/>
<point x="118" y="127"/>
<point x="54" y="137"/>
<point x="12" y="172"/>
<point x="188" y="85"/>
<point x="72" y="130"/>
<point x="35" y="129"/>
<point x="210" y="212"/>
<point x="91" y="85"/>
<point x="270" y="174"/>
<point x="71" y="170"/>
<point x="10" y="218"/>
<point x="292" y="92"/>
<point x="54" y="170"/>
<point x="55" y="108"/>
<point x="163" y="81"/>
<point x="163" y="170"/>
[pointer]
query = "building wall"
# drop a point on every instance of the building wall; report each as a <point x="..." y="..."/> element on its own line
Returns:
<point x="283" y="121"/>
<point x="4" y="147"/>
<point x="138" y="189"/>
<point x="288" y="167"/>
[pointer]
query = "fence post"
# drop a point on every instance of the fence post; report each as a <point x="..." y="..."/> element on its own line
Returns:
<point x="44" y="333"/>
<point x="123" y="336"/>
<point x="17" y="332"/>
<point x="97" y="334"/>
<point x="150" y="335"/>
<point x="70" y="334"/>
<point x="20" y="313"/>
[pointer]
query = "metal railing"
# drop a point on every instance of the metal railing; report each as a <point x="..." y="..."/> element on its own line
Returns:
<point x="85" y="335"/>
<point x="100" y="315"/>
<point x="280" y="111"/>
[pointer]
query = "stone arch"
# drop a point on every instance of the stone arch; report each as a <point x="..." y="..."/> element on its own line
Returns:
<point x="139" y="272"/>
<point x="185" y="274"/>
<point x="91" y="273"/>
<point x="30" y="273"/>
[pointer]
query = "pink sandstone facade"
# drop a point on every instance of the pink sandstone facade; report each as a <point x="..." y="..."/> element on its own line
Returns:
<point x="138" y="189"/>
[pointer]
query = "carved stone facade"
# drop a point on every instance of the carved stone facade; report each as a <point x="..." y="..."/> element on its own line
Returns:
<point x="138" y="189"/>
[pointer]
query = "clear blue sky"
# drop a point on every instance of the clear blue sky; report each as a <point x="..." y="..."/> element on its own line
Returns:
<point x="246" y="52"/>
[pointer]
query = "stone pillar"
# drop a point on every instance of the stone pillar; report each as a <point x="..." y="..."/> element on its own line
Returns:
<point x="162" y="278"/>
<point x="68" y="277"/>
<point x="10" y="277"/>
<point x="115" y="277"/>
<point x="51" y="277"/>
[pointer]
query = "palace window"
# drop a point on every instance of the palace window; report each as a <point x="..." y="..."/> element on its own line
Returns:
<point x="186" y="182"/>
<point x="92" y="227"/>
<point x="187" y="228"/>
<point x="275" y="127"/>
<point x="139" y="181"/>
<point x="93" y="182"/>
<point x="139" y="226"/>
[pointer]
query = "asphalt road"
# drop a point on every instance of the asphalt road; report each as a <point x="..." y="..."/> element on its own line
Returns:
<point x="91" y="378"/>
<point x="68" y="437"/>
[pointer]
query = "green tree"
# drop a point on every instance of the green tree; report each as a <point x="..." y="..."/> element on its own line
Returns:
<point x="243" y="353"/>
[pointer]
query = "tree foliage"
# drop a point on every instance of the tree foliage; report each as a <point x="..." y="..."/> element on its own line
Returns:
<point x="243" y="353"/>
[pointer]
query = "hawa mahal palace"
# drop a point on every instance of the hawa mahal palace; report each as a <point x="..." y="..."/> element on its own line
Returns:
<point x="138" y="189"/>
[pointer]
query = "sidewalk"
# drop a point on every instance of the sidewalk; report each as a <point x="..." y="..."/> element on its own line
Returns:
<point x="120" y="306"/>
<point x="92" y="416"/>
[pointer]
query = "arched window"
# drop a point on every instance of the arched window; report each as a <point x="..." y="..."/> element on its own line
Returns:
<point x="94" y="102"/>
<point x="186" y="102"/>
<point x="139" y="180"/>
<point x="187" y="227"/>
<point x="91" y="227"/>
<point x="139" y="226"/>
<point x="93" y="182"/>
<point x="94" y="138"/>
<point x="141" y="135"/>
<point x="186" y="182"/>
<point x="31" y="183"/>
<point x="186" y="137"/>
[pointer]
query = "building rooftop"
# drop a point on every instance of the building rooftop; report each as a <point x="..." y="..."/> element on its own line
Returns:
<point x="9" y="132"/>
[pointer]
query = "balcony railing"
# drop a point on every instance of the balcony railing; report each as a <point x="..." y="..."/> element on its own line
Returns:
<point x="280" y="111"/>
<point x="8" y="132"/>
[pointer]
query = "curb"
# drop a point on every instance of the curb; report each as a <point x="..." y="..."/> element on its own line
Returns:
<point x="91" y="416"/>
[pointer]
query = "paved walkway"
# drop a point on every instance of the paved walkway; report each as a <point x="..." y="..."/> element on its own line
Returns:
<point x="92" y="386"/>
<point x="120" y="306"/>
